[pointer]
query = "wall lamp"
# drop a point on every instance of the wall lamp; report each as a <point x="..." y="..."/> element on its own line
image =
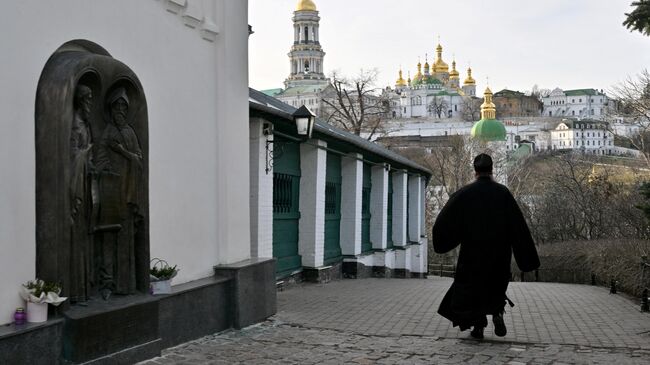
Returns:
<point x="304" y="120"/>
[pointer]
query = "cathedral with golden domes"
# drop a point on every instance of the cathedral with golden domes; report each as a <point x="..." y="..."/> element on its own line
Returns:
<point x="435" y="91"/>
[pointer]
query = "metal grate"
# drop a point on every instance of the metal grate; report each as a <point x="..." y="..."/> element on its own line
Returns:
<point x="282" y="193"/>
<point x="330" y="198"/>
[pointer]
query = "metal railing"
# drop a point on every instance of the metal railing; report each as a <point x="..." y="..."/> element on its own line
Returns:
<point x="442" y="270"/>
<point x="575" y="276"/>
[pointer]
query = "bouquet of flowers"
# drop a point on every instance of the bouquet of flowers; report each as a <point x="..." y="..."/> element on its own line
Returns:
<point x="39" y="291"/>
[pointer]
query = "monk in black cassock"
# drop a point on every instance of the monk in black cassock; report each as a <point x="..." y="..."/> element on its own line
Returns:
<point x="485" y="220"/>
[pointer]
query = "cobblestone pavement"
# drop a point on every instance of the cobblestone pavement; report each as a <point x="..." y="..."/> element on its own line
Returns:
<point x="543" y="312"/>
<point x="392" y="321"/>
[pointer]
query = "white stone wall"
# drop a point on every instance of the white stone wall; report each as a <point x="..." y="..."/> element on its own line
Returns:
<point x="311" y="228"/>
<point x="403" y="257"/>
<point x="351" y="189"/>
<point x="261" y="191"/>
<point x="192" y="62"/>
<point x="419" y="257"/>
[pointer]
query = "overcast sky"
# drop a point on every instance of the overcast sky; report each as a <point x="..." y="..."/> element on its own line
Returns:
<point x="516" y="43"/>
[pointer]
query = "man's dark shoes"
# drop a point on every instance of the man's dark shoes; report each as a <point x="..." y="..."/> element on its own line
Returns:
<point x="499" y="325"/>
<point x="477" y="332"/>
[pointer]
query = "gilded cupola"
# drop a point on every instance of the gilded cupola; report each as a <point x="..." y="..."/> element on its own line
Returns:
<point x="400" y="81"/>
<point x="488" y="128"/>
<point x="453" y="74"/>
<point x="469" y="80"/>
<point x="306" y="5"/>
<point x="440" y="65"/>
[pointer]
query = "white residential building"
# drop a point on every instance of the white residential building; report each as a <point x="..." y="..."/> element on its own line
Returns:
<point x="588" y="136"/>
<point x="580" y="103"/>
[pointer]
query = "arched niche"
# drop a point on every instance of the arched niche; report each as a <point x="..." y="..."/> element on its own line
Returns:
<point x="92" y="189"/>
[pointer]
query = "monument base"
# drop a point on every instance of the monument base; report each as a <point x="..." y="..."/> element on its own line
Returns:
<point x="128" y="329"/>
<point x="122" y="329"/>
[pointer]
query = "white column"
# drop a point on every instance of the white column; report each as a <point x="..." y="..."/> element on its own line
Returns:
<point x="351" y="190"/>
<point x="232" y="191"/>
<point x="379" y="207"/>
<point x="415" y="206"/>
<point x="311" y="229"/>
<point x="399" y="208"/>
<point x="261" y="194"/>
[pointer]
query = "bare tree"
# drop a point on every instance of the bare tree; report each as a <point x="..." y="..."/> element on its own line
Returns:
<point x="633" y="96"/>
<point x="471" y="109"/>
<point x="573" y="197"/>
<point x="438" y="106"/>
<point x="356" y="105"/>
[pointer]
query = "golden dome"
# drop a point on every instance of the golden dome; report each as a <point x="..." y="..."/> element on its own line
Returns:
<point x="488" y="109"/>
<point x="400" y="81"/>
<point x="440" y="65"/>
<point x="419" y="73"/>
<point x="453" y="73"/>
<point x="470" y="80"/>
<point x="306" y="5"/>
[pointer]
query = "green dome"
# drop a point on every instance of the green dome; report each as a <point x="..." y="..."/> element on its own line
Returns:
<point x="489" y="130"/>
<point x="433" y="81"/>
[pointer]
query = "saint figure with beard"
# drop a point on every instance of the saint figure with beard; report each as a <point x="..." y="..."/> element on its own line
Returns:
<point x="119" y="163"/>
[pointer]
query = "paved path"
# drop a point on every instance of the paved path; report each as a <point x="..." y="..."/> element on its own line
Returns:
<point x="393" y="321"/>
<point x="543" y="312"/>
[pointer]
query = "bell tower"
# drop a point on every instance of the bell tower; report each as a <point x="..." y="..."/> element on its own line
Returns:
<point x="306" y="55"/>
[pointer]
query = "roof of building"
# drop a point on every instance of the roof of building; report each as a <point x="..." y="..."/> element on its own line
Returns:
<point x="506" y="92"/>
<point x="489" y="130"/>
<point x="577" y="92"/>
<point x="572" y="122"/>
<point x="269" y="105"/>
<point x="297" y="90"/>
<point x="272" y="92"/>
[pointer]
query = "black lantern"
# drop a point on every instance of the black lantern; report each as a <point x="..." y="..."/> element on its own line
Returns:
<point x="304" y="119"/>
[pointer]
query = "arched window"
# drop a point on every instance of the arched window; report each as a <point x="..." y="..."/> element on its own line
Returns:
<point x="306" y="34"/>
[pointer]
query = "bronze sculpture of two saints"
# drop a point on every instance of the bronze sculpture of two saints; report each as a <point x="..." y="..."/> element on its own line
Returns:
<point x="92" y="202"/>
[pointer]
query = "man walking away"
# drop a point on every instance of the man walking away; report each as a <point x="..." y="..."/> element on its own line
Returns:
<point x="485" y="220"/>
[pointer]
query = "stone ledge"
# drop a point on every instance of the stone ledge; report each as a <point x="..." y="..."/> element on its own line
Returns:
<point x="32" y="343"/>
<point x="323" y="274"/>
<point x="10" y="330"/>
<point x="254" y="289"/>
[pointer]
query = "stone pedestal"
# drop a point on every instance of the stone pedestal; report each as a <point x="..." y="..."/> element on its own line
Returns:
<point x="122" y="330"/>
<point x="254" y="292"/>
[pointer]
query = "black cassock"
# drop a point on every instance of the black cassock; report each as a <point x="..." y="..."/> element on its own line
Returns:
<point x="485" y="220"/>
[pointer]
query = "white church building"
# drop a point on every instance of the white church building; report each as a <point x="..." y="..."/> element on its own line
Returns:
<point x="212" y="180"/>
<point x="191" y="59"/>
